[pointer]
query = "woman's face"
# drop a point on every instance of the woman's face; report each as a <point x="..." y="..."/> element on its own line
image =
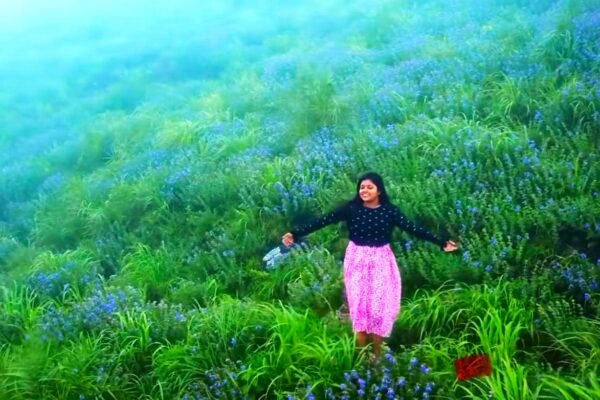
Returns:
<point x="369" y="193"/>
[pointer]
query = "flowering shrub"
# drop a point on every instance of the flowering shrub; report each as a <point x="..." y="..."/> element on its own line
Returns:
<point x="396" y="377"/>
<point x="319" y="284"/>
<point x="72" y="277"/>
<point x="218" y="382"/>
<point x="484" y="122"/>
<point x="92" y="314"/>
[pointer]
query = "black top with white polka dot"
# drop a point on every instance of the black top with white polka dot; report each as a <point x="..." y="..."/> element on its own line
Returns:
<point x="368" y="226"/>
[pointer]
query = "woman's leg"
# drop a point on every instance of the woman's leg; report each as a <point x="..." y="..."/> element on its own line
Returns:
<point x="377" y="340"/>
<point x="361" y="339"/>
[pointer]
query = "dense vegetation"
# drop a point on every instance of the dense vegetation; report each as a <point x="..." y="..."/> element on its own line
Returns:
<point x="139" y="192"/>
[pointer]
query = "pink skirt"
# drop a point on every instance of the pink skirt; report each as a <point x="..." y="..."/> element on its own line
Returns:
<point x="373" y="288"/>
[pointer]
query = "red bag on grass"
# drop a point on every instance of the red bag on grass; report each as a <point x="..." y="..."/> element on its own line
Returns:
<point x="473" y="366"/>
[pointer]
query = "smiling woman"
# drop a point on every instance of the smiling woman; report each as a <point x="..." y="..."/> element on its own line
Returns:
<point x="371" y="275"/>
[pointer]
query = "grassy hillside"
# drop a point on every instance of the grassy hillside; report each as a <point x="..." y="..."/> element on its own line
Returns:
<point x="145" y="172"/>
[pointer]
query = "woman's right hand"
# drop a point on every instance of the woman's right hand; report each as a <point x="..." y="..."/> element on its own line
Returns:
<point x="288" y="239"/>
<point x="450" y="246"/>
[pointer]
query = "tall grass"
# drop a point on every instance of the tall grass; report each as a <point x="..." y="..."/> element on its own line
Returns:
<point x="131" y="239"/>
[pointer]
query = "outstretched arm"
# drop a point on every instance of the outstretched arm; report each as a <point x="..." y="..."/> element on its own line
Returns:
<point x="315" y="225"/>
<point x="405" y="224"/>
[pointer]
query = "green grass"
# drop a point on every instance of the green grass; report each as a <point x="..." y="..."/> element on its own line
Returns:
<point x="170" y="175"/>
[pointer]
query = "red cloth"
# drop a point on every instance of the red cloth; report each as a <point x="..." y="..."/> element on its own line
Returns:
<point x="473" y="366"/>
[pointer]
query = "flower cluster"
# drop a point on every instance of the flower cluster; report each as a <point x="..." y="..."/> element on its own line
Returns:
<point x="168" y="322"/>
<point x="321" y="159"/>
<point x="385" y="106"/>
<point x="580" y="278"/>
<point x="153" y="159"/>
<point x="218" y="383"/>
<point x="58" y="283"/>
<point x="93" y="314"/>
<point x="222" y="131"/>
<point x="386" y="138"/>
<point x="169" y="189"/>
<point x="393" y="379"/>
<point x="587" y="35"/>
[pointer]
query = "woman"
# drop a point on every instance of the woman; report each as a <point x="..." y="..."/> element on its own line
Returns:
<point x="371" y="275"/>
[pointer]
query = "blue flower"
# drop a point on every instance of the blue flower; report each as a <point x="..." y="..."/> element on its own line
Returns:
<point x="179" y="316"/>
<point x="390" y="358"/>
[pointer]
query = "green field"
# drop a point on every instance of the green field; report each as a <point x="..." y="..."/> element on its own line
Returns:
<point x="151" y="155"/>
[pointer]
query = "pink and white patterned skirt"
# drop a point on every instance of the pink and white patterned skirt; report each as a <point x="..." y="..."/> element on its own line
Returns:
<point x="373" y="288"/>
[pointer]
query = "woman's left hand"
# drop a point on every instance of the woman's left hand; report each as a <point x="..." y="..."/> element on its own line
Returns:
<point x="450" y="246"/>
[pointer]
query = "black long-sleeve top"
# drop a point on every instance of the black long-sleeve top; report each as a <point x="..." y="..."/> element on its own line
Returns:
<point x="368" y="226"/>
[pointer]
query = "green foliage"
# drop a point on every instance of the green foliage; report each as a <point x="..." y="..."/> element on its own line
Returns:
<point x="18" y="312"/>
<point x="139" y="196"/>
<point x="586" y="388"/>
<point x="317" y="282"/>
<point x="298" y="346"/>
<point x="152" y="270"/>
<point x="56" y="276"/>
